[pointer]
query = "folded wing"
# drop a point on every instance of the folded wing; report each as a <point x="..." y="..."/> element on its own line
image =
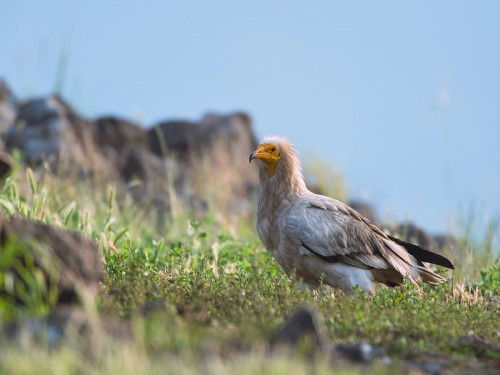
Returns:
<point x="335" y="232"/>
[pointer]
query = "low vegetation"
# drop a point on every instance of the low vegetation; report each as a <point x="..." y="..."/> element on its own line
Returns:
<point x="224" y="295"/>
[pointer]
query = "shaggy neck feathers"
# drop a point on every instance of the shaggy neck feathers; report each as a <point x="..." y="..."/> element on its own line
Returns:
<point x="288" y="181"/>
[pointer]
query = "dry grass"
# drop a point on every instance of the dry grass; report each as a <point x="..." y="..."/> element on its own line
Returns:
<point x="222" y="289"/>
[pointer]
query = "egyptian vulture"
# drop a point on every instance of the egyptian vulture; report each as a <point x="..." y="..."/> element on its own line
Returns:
<point x="319" y="239"/>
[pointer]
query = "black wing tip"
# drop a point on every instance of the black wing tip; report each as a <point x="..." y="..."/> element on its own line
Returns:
<point x="445" y="262"/>
<point x="449" y="264"/>
<point x="330" y="258"/>
<point x="424" y="255"/>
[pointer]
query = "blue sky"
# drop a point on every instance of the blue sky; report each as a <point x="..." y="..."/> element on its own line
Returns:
<point x="403" y="97"/>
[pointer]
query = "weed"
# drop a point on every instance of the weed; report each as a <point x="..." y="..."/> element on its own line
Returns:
<point x="222" y="289"/>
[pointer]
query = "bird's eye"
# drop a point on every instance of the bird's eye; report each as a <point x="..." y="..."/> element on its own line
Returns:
<point x="273" y="149"/>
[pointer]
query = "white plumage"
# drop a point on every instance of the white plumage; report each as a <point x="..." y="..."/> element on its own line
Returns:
<point x="320" y="239"/>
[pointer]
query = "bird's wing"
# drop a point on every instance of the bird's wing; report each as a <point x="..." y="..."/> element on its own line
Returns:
<point x="335" y="232"/>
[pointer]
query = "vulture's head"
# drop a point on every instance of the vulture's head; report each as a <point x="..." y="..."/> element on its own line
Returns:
<point x="272" y="151"/>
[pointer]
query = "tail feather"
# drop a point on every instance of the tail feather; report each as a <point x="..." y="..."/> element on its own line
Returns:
<point x="427" y="276"/>
<point x="422" y="255"/>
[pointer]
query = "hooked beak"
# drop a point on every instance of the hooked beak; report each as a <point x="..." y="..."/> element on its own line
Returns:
<point x="252" y="156"/>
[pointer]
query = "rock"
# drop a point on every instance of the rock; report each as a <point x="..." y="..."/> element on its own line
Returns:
<point x="361" y="352"/>
<point x="210" y="158"/>
<point x="146" y="179"/>
<point x="205" y="162"/>
<point x="425" y="367"/>
<point x="125" y="146"/>
<point x="5" y="164"/>
<point x="479" y="345"/>
<point x="152" y="307"/>
<point x="448" y="242"/>
<point x="113" y="135"/>
<point x="51" y="329"/>
<point x="66" y="259"/>
<point x="175" y="138"/>
<point x="305" y="327"/>
<point x="302" y="326"/>
<point x="365" y="209"/>
<point x="48" y="129"/>
<point x="411" y="232"/>
<point x="140" y="164"/>
<point x="428" y="363"/>
<point x="8" y="107"/>
<point x="68" y="322"/>
<point x="444" y="240"/>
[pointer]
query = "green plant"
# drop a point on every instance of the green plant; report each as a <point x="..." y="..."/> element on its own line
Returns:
<point x="220" y="289"/>
<point x="28" y="280"/>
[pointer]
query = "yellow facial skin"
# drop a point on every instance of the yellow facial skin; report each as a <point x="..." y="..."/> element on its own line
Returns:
<point x="269" y="154"/>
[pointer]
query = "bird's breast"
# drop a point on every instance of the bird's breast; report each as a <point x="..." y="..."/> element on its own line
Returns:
<point x="268" y="226"/>
<point x="268" y="233"/>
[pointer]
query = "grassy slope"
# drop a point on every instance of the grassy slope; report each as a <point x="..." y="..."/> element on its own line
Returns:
<point x="223" y="289"/>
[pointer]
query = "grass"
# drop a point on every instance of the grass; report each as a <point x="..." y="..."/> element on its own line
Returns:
<point x="224" y="294"/>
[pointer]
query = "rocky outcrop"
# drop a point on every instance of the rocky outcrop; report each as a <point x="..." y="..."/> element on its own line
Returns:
<point x="304" y="330"/>
<point x="114" y="135"/>
<point x="67" y="260"/>
<point x="125" y="146"/>
<point x="48" y="129"/>
<point x="413" y="233"/>
<point x="204" y="161"/>
<point x="302" y="334"/>
<point x="209" y="157"/>
<point x="365" y="209"/>
<point x="8" y="107"/>
<point x="407" y="231"/>
<point x="303" y="324"/>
